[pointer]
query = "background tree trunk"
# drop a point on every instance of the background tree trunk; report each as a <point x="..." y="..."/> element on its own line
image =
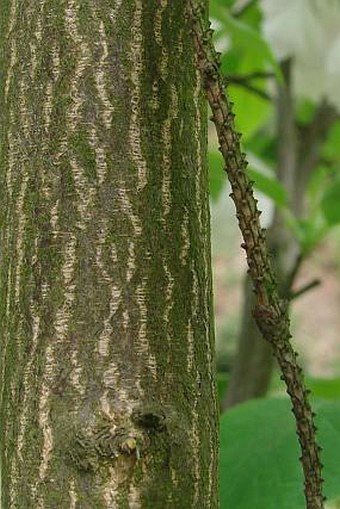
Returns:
<point x="299" y="150"/>
<point x="107" y="387"/>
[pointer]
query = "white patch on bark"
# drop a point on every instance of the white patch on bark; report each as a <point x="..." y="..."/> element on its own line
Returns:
<point x="76" y="374"/>
<point x="195" y="440"/>
<point x="174" y="477"/>
<point x="159" y="38"/>
<point x="198" y="130"/>
<point x="6" y="334"/>
<point x="13" y="47"/>
<point x="167" y="148"/>
<point x="115" y="300"/>
<point x="12" y="156"/>
<point x="48" y="104"/>
<point x="55" y="64"/>
<point x="127" y="208"/>
<point x="169" y="302"/>
<point x="63" y="314"/>
<point x="101" y="165"/>
<point x="22" y="420"/>
<point x="114" y="11"/>
<point x="85" y="192"/>
<point x="20" y="202"/>
<point x="134" y="498"/>
<point x="131" y="261"/>
<point x="143" y="342"/>
<point x="184" y="254"/>
<point x="38" y="13"/>
<point x="106" y="334"/>
<point x="107" y="110"/>
<point x="61" y="326"/>
<point x="44" y="418"/>
<point x="135" y="134"/>
<point x="44" y="290"/>
<point x="191" y="348"/>
<point x="83" y="61"/>
<point x="110" y="491"/>
<point x="102" y="234"/>
<point x="111" y="381"/>
<point x="20" y="235"/>
<point x="27" y="373"/>
<point x="55" y="218"/>
<point x="73" y="495"/>
<point x="105" y="405"/>
<point x="84" y="189"/>
<point x="166" y="199"/>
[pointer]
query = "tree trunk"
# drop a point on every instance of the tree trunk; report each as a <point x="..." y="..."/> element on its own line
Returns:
<point x="107" y="387"/>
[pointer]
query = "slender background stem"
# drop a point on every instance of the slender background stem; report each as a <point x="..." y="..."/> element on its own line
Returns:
<point x="270" y="311"/>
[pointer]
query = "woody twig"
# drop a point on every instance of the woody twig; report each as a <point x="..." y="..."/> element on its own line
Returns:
<point x="270" y="311"/>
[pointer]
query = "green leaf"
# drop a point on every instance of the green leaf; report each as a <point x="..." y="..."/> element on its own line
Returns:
<point x="217" y="8"/>
<point x="251" y="111"/>
<point x="259" y="464"/>
<point x="331" y="148"/>
<point x="305" y="111"/>
<point x="247" y="40"/>
<point x="249" y="53"/>
<point x="324" y="388"/>
<point x="269" y="186"/>
<point x="264" y="146"/>
<point x="318" y="183"/>
<point x="217" y="177"/>
<point x="309" y="231"/>
<point x="222" y="384"/>
<point x="330" y="203"/>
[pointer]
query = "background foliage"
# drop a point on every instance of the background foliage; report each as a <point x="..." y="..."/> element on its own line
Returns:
<point x="259" y="449"/>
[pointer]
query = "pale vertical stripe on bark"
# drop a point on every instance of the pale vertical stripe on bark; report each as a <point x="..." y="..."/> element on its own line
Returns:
<point x="137" y="68"/>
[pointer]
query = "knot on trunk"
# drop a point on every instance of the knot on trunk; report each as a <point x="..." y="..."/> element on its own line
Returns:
<point x="92" y="449"/>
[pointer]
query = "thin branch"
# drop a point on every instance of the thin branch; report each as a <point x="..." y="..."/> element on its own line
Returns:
<point x="270" y="311"/>
<point x="255" y="75"/>
<point x="245" y="82"/>
<point x="310" y="286"/>
<point x="288" y="287"/>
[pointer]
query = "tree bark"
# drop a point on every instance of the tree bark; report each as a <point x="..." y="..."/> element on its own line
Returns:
<point x="107" y="380"/>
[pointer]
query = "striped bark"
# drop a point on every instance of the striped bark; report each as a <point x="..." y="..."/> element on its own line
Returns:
<point x="107" y="396"/>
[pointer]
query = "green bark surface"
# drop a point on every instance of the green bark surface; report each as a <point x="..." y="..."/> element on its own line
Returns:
<point x="107" y="396"/>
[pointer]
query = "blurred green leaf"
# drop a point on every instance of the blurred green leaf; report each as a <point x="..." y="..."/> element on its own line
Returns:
<point x="308" y="231"/>
<point x="250" y="110"/>
<point x="249" y="41"/>
<point x="253" y="16"/>
<point x="217" y="177"/>
<point x="222" y="384"/>
<point x="317" y="184"/>
<point x="249" y="53"/>
<point x="259" y="465"/>
<point x="324" y="388"/>
<point x="269" y="186"/>
<point x="331" y="148"/>
<point x="264" y="146"/>
<point x="217" y="8"/>
<point x="305" y="111"/>
<point x="331" y="203"/>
